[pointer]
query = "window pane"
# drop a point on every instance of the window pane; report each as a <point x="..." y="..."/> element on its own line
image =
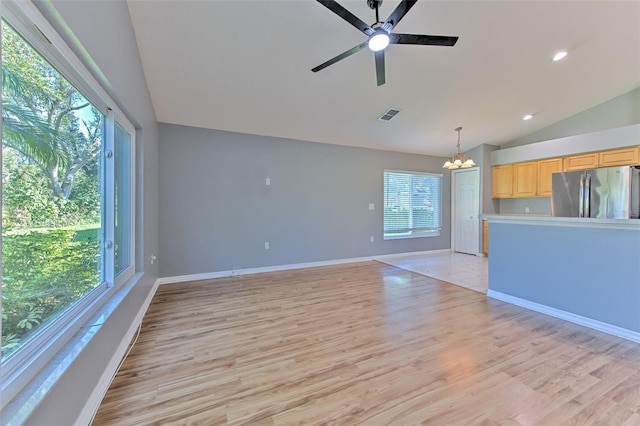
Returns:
<point x="411" y="204"/>
<point x="123" y="199"/>
<point x="51" y="193"/>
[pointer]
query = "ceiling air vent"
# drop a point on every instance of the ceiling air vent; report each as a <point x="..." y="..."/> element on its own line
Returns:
<point x="387" y="116"/>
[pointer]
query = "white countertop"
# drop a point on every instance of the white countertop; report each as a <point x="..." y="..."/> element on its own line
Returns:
<point x="583" y="222"/>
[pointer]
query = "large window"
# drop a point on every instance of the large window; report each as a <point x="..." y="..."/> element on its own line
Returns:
<point x="412" y="204"/>
<point x="67" y="197"/>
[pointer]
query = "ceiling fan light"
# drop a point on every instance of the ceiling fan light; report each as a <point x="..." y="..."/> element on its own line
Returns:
<point x="379" y="40"/>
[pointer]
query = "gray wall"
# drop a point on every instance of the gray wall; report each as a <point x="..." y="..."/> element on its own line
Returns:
<point x="216" y="212"/>
<point x="562" y="267"/>
<point x="101" y="31"/>
<point x="537" y="206"/>
<point x="481" y="155"/>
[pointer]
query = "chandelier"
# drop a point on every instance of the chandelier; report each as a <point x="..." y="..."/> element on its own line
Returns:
<point x="459" y="161"/>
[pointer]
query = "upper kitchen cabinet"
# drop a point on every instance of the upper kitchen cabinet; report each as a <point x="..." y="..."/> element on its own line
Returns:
<point x="525" y="180"/>
<point x="502" y="181"/>
<point x="525" y="177"/>
<point x="533" y="178"/>
<point x="545" y="169"/>
<point x="581" y="162"/>
<point x="614" y="157"/>
<point x="619" y="157"/>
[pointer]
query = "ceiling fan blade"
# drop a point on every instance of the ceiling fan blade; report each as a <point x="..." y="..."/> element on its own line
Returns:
<point x="380" y="67"/>
<point x="429" y="40"/>
<point x="398" y="14"/>
<point x="340" y="57"/>
<point x="347" y="16"/>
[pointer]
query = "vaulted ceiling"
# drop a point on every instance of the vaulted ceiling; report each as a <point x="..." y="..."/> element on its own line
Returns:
<point x="245" y="66"/>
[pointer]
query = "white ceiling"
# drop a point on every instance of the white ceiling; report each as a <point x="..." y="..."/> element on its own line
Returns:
<point x="244" y="66"/>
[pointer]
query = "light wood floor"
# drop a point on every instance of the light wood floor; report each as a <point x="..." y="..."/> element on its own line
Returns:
<point x="369" y="344"/>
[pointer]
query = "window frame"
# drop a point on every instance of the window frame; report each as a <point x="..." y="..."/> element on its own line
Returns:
<point x="434" y="232"/>
<point x="28" y="361"/>
<point x="128" y="272"/>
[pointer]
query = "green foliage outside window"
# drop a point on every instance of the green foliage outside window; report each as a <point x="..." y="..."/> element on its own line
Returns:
<point x="42" y="273"/>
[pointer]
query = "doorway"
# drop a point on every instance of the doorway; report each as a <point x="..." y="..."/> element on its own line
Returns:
<point x="465" y="210"/>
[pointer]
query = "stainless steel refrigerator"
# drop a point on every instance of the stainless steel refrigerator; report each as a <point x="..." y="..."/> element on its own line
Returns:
<point x="611" y="193"/>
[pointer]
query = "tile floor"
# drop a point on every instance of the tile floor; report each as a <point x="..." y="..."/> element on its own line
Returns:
<point x="464" y="270"/>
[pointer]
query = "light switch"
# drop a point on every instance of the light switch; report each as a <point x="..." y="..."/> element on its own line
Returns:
<point x="267" y="181"/>
<point x="371" y="207"/>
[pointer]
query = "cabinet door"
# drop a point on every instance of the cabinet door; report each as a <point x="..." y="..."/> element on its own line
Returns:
<point x="580" y="162"/>
<point x="619" y="157"/>
<point x="485" y="237"/>
<point x="545" y="169"/>
<point x="525" y="179"/>
<point x="502" y="181"/>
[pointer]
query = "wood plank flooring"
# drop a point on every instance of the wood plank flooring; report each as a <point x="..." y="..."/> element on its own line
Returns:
<point x="364" y="343"/>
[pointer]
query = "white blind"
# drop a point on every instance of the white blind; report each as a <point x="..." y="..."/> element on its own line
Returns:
<point x="412" y="204"/>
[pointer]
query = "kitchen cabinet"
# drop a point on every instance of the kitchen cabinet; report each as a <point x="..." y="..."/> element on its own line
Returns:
<point x="545" y="169"/>
<point x="485" y="237"/>
<point x="525" y="176"/>
<point x="581" y="162"/>
<point x="619" y="157"/>
<point x="613" y="157"/>
<point x="502" y="181"/>
<point x="525" y="180"/>
<point x="533" y="178"/>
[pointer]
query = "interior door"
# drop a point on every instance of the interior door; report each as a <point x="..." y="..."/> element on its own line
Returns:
<point x="466" y="211"/>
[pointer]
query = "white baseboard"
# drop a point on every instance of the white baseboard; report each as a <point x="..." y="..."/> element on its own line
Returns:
<point x="276" y="268"/>
<point x="568" y="316"/>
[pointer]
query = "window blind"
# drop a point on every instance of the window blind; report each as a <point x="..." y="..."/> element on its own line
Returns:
<point x="412" y="204"/>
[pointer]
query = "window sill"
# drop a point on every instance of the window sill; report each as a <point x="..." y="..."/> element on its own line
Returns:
<point x="26" y="401"/>
<point x="407" y="236"/>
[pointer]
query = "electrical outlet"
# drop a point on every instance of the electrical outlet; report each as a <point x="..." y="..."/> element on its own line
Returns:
<point x="152" y="258"/>
<point x="371" y="206"/>
<point x="267" y="181"/>
<point x="372" y="238"/>
<point x="526" y="209"/>
<point x="266" y="245"/>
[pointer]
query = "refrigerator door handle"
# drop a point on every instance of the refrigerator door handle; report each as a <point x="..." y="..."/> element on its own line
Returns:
<point x="581" y="197"/>
<point x="587" y="196"/>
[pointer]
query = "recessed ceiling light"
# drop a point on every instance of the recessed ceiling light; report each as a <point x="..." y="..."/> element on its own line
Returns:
<point x="560" y="55"/>
<point x="527" y="117"/>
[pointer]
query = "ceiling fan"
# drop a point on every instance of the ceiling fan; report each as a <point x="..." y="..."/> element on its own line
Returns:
<point x="380" y="35"/>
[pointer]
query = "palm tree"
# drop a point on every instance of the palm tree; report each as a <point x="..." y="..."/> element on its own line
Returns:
<point x="39" y="116"/>
<point x="22" y="128"/>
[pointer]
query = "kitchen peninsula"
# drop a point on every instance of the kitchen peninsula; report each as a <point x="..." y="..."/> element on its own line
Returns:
<point x="583" y="270"/>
